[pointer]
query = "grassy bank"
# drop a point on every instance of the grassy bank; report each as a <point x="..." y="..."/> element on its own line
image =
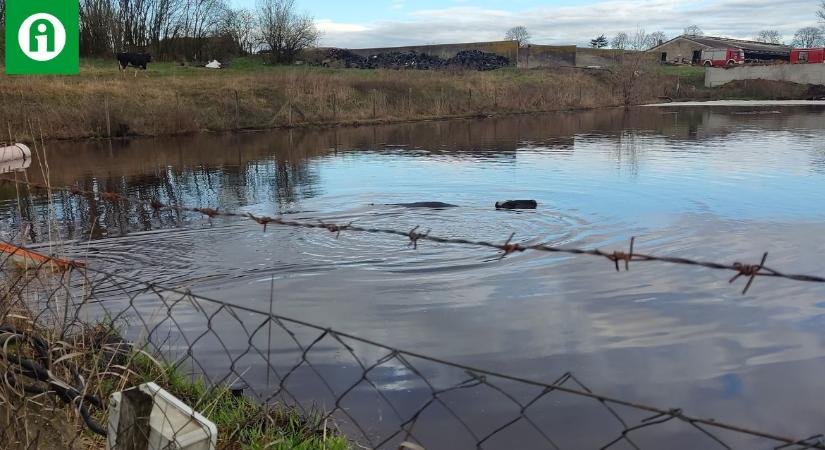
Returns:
<point x="97" y="363"/>
<point x="174" y="99"/>
<point x="171" y="99"/>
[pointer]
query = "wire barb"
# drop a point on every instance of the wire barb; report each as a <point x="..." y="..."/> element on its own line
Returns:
<point x="415" y="237"/>
<point x="509" y="248"/>
<point x="618" y="256"/>
<point x="157" y="205"/>
<point x="262" y="220"/>
<point x="110" y="196"/>
<point x="750" y="271"/>
<point x="211" y="213"/>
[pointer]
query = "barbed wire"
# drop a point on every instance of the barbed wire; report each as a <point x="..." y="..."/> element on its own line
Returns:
<point x="619" y="258"/>
<point x="170" y="298"/>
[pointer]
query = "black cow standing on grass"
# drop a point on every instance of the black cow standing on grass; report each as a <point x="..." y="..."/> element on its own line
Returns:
<point x="136" y="60"/>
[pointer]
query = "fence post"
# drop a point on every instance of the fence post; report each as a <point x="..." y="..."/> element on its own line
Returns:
<point x="409" y="103"/>
<point x="334" y="107"/>
<point x="469" y="100"/>
<point x="108" y="117"/>
<point x="237" y="110"/>
<point x="374" y="111"/>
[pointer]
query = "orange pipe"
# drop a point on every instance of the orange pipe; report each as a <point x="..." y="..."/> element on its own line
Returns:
<point x="28" y="258"/>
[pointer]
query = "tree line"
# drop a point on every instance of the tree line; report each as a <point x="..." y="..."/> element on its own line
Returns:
<point x="812" y="36"/>
<point x="194" y="30"/>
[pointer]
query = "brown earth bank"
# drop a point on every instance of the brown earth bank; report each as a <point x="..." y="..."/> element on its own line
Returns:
<point x="170" y="99"/>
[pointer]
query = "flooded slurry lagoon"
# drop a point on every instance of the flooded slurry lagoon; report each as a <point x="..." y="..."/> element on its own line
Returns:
<point x="722" y="184"/>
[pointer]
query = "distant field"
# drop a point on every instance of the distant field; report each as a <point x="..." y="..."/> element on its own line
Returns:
<point x="686" y="75"/>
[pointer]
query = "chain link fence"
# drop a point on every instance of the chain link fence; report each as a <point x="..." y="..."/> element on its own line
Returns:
<point x="72" y="336"/>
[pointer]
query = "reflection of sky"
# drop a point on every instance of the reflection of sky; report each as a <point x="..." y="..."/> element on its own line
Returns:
<point x="744" y="175"/>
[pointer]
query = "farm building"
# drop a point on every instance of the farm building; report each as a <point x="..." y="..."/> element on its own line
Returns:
<point x="688" y="49"/>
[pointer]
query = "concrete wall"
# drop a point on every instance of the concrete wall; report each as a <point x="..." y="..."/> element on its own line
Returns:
<point x="540" y="56"/>
<point x="596" y="57"/>
<point x="508" y="49"/>
<point x="795" y="73"/>
<point x="678" y="51"/>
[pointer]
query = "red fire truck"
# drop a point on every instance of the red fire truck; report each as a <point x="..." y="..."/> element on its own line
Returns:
<point x="718" y="57"/>
<point x="808" y="56"/>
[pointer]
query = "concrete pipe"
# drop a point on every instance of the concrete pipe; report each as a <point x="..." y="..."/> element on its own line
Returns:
<point x="15" y="152"/>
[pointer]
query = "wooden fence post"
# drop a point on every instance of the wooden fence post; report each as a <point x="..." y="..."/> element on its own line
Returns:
<point x="108" y="117"/>
<point x="237" y="110"/>
<point x="470" y="100"/>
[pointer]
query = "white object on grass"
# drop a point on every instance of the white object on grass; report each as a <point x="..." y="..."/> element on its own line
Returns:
<point x="214" y="65"/>
<point x="149" y="418"/>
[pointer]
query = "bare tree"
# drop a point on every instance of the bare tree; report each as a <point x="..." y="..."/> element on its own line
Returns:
<point x="809" y="37"/>
<point x="98" y="27"/>
<point x="285" y="31"/>
<point x="202" y="19"/>
<point x="693" y="30"/>
<point x="769" y="37"/>
<point x="628" y="76"/>
<point x="240" y="25"/>
<point x="640" y="40"/>
<point x="821" y="12"/>
<point x="620" y="41"/>
<point x="658" y="38"/>
<point x="519" y="34"/>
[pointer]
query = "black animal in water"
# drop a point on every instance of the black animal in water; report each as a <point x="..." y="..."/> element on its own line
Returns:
<point x="140" y="60"/>
<point x="425" y="205"/>
<point x="517" y="204"/>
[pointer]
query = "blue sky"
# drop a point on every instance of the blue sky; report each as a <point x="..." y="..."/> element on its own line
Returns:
<point x="368" y="23"/>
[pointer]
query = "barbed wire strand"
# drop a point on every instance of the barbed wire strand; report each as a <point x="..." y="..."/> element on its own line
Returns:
<point x="750" y="271"/>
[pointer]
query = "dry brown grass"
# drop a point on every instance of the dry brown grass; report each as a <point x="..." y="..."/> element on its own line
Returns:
<point x="166" y="101"/>
<point x="39" y="326"/>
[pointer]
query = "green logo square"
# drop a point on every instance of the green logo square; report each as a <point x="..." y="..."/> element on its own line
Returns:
<point x="42" y="37"/>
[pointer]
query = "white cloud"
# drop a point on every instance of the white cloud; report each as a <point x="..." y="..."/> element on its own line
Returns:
<point x="328" y="26"/>
<point x="576" y="24"/>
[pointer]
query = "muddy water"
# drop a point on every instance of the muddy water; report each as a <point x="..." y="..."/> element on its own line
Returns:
<point x="719" y="184"/>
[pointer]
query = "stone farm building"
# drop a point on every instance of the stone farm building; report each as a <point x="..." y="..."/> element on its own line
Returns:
<point x="688" y="49"/>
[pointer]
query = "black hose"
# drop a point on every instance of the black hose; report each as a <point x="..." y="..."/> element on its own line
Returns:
<point x="37" y="372"/>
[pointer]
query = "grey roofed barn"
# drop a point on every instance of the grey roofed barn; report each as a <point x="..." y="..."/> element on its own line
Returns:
<point x="687" y="49"/>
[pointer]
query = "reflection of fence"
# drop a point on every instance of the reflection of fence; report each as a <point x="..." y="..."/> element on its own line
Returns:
<point x="379" y="396"/>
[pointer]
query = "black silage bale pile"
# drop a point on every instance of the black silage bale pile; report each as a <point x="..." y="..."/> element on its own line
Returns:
<point x="478" y="60"/>
<point x="346" y="57"/>
<point x="412" y="60"/>
<point x="404" y="60"/>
